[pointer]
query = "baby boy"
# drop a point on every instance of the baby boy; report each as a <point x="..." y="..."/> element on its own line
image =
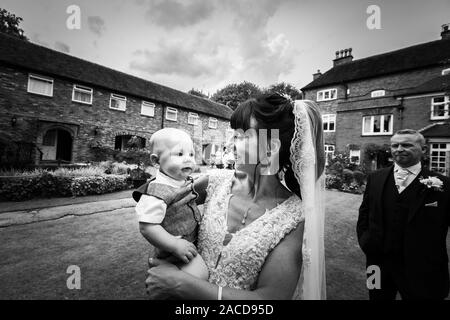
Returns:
<point x="168" y="218"/>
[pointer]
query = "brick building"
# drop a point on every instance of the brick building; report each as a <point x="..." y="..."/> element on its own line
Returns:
<point x="365" y="101"/>
<point x="55" y="107"/>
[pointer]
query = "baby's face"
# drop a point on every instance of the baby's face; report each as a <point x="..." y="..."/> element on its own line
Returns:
<point x="177" y="160"/>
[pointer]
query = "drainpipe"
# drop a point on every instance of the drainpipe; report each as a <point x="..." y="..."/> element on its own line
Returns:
<point x="162" y="116"/>
<point x="400" y="109"/>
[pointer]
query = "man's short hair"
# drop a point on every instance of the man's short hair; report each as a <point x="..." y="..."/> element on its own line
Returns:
<point x="420" y="137"/>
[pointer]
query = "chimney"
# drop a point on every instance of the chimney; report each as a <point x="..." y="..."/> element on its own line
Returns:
<point x="343" y="56"/>
<point x="445" y="34"/>
<point x="317" y="75"/>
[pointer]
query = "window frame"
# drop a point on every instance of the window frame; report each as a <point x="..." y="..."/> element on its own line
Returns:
<point x="446" y="104"/>
<point x="42" y="78"/>
<point x="118" y="97"/>
<point x="328" y="119"/>
<point x="214" y="120"/>
<point x="84" y="90"/>
<point x="358" y="156"/>
<point x="378" y="93"/>
<point x="433" y="158"/>
<point x="173" y="110"/>
<point x="323" y="93"/>
<point x="381" y="133"/>
<point x="148" y="104"/>
<point x="193" y="115"/>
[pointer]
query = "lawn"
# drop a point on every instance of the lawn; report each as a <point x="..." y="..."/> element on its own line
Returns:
<point x="112" y="255"/>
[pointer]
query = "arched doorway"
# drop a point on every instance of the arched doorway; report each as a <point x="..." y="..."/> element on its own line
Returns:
<point x="57" y="145"/>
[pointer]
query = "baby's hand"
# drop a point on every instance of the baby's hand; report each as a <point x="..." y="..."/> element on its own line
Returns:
<point x="184" y="250"/>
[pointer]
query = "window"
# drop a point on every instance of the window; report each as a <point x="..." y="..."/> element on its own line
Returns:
<point x="326" y="95"/>
<point x="124" y="142"/>
<point x="82" y="94"/>
<point x="355" y="156"/>
<point x="329" y="152"/>
<point x="378" y="125"/>
<point x="193" y="118"/>
<point x="171" y="114"/>
<point x="148" y="109"/>
<point x="329" y="122"/>
<point x="378" y="93"/>
<point x="117" y="102"/>
<point x="440" y="107"/>
<point x="212" y="123"/>
<point x="440" y="157"/>
<point x="40" y="85"/>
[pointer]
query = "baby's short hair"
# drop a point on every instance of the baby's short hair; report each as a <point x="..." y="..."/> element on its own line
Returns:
<point x="165" y="133"/>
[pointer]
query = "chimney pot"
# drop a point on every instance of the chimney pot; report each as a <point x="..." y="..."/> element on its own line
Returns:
<point x="343" y="56"/>
<point x="317" y="74"/>
<point x="445" y="34"/>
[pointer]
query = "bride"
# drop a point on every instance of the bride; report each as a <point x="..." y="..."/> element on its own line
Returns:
<point x="261" y="236"/>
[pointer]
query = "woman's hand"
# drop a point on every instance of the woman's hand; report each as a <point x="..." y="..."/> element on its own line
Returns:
<point x="163" y="280"/>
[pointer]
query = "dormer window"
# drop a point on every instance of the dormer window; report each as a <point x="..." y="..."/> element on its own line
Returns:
<point x="326" y="95"/>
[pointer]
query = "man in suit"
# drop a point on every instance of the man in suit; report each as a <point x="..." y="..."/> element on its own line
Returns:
<point x="403" y="223"/>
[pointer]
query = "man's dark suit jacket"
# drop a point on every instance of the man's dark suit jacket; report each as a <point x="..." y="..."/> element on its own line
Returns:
<point x="424" y="242"/>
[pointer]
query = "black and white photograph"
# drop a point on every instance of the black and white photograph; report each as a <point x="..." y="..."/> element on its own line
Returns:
<point x="237" y="150"/>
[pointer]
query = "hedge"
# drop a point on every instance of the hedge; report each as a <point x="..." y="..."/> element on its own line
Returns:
<point x="48" y="185"/>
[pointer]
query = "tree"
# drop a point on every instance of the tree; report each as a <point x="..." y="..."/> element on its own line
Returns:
<point x="285" y="88"/>
<point x="197" y="93"/>
<point x="9" y="24"/>
<point x="234" y="94"/>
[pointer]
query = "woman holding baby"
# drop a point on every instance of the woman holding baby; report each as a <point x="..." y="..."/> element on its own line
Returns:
<point x="261" y="233"/>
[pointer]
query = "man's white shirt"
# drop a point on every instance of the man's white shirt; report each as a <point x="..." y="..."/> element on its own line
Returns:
<point x="413" y="171"/>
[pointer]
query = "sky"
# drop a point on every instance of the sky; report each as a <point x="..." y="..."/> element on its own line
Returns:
<point x="208" y="44"/>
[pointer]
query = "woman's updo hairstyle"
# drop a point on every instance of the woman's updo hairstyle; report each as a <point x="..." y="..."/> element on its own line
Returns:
<point x="271" y="111"/>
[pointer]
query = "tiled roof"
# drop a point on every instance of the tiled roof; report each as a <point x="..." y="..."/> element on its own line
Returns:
<point x="438" y="130"/>
<point x="438" y="84"/>
<point x="36" y="58"/>
<point x="410" y="58"/>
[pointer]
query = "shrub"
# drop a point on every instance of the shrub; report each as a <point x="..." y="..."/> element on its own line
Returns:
<point x="48" y="184"/>
<point x="82" y="186"/>
<point x="360" y="177"/>
<point x="353" y="187"/>
<point x="333" y="182"/>
<point x="347" y="176"/>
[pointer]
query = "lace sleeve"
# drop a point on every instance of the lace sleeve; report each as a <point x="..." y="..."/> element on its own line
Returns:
<point x="216" y="178"/>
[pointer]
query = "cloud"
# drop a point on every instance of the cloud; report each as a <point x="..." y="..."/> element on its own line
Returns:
<point x="36" y="38"/>
<point x="171" y="14"/>
<point x="62" y="47"/>
<point x="96" y="25"/>
<point x="264" y="57"/>
<point x="193" y="58"/>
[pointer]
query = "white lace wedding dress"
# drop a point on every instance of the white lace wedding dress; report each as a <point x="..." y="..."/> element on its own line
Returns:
<point x="238" y="264"/>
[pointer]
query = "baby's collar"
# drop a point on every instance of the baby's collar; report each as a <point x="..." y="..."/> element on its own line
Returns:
<point x="161" y="177"/>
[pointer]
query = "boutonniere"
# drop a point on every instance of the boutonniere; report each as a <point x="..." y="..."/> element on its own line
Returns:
<point x="432" y="183"/>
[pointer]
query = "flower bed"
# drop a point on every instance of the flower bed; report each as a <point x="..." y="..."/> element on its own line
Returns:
<point x="344" y="176"/>
<point x="59" y="184"/>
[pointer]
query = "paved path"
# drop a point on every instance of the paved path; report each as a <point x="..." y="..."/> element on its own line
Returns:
<point x="34" y="204"/>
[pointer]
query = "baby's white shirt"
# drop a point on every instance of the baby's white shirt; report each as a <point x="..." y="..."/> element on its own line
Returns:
<point x="150" y="209"/>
